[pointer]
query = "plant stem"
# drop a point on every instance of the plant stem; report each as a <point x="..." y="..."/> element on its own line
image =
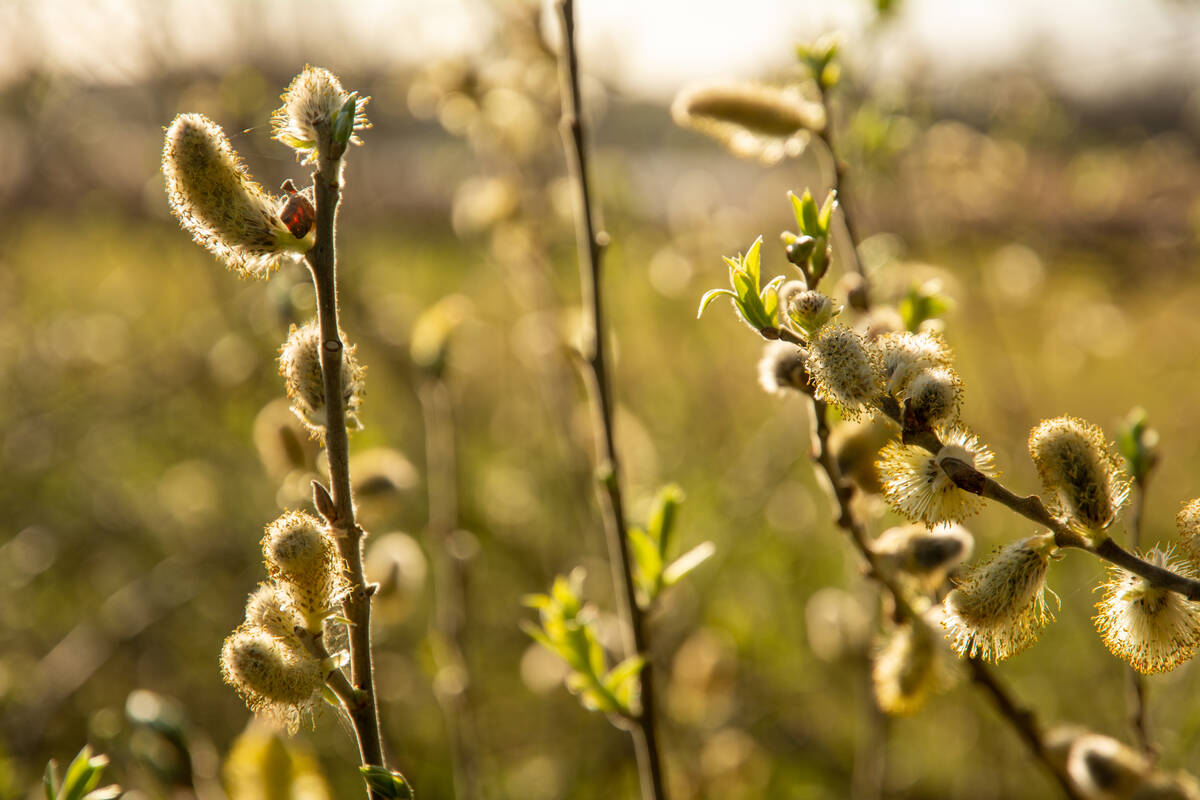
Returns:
<point x="591" y="245"/>
<point x="1023" y="721"/>
<point x="1031" y="507"/>
<point x="450" y="584"/>
<point x="861" y="299"/>
<point x="1135" y="683"/>
<point x="322" y="263"/>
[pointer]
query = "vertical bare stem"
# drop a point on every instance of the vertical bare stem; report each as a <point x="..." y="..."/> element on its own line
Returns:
<point x="322" y="262"/>
<point x="591" y="246"/>
<point x="844" y="197"/>
<point x="450" y="584"/>
<point x="1135" y="682"/>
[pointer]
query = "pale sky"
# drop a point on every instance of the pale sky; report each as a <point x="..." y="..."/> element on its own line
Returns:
<point x="647" y="47"/>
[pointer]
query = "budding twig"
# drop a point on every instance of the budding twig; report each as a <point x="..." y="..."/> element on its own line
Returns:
<point x="322" y="263"/>
<point x="1031" y="507"/>
<point x="591" y="245"/>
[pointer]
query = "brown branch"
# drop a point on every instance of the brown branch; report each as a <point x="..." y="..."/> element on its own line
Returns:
<point x="1031" y="507"/>
<point x="322" y="263"/>
<point x="591" y="243"/>
<point x="862" y="299"/>
<point x="1135" y="682"/>
<point x="1023" y="722"/>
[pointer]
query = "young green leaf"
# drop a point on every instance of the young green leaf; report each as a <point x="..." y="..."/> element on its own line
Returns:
<point x="688" y="562"/>
<point x="713" y="294"/>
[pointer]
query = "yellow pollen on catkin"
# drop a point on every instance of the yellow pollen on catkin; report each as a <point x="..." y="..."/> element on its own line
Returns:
<point x="219" y="204"/>
<point x="845" y="370"/>
<point x="1154" y="629"/>
<point x="1187" y="521"/>
<point x="917" y="487"/>
<point x="999" y="608"/>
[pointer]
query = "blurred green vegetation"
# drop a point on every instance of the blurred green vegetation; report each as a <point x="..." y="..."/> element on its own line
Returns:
<point x="134" y="369"/>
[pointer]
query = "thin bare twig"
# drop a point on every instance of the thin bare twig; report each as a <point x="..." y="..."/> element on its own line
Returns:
<point x="322" y="262"/>
<point x="1135" y="681"/>
<point x="450" y="584"/>
<point x="861" y="299"/>
<point x="1023" y="722"/>
<point x="591" y="246"/>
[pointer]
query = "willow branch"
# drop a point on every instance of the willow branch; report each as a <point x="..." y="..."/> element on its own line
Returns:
<point x="339" y="511"/>
<point x="1022" y="721"/>
<point x="591" y="242"/>
<point x="1032" y="508"/>
<point x="450" y="583"/>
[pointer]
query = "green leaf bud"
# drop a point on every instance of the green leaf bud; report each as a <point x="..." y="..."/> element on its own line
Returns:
<point x="219" y="204"/>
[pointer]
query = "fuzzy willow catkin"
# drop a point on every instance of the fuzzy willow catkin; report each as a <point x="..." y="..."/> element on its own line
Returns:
<point x="310" y="103"/>
<point x="1074" y="460"/>
<point x="274" y="679"/>
<point x="845" y="370"/>
<point x="998" y="610"/>
<point x="752" y="121"/>
<point x="1154" y="629"/>
<point x="219" y="204"/>
<point x="300" y="366"/>
<point x="917" y="487"/>
<point x="303" y="559"/>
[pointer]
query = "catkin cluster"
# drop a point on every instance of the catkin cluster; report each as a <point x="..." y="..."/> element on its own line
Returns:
<point x="273" y="659"/>
<point x="276" y="659"/>
<point x="905" y="380"/>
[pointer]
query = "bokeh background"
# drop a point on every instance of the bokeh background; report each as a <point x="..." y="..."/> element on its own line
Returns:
<point x="1038" y="161"/>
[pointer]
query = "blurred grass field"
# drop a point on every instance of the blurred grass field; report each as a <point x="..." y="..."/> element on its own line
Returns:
<point x="134" y="368"/>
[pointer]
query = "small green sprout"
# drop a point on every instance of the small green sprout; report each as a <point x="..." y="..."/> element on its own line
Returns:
<point x="567" y="630"/>
<point x="79" y="782"/>
<point x="757" y="307"/>
<point x="648" y="548"/>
